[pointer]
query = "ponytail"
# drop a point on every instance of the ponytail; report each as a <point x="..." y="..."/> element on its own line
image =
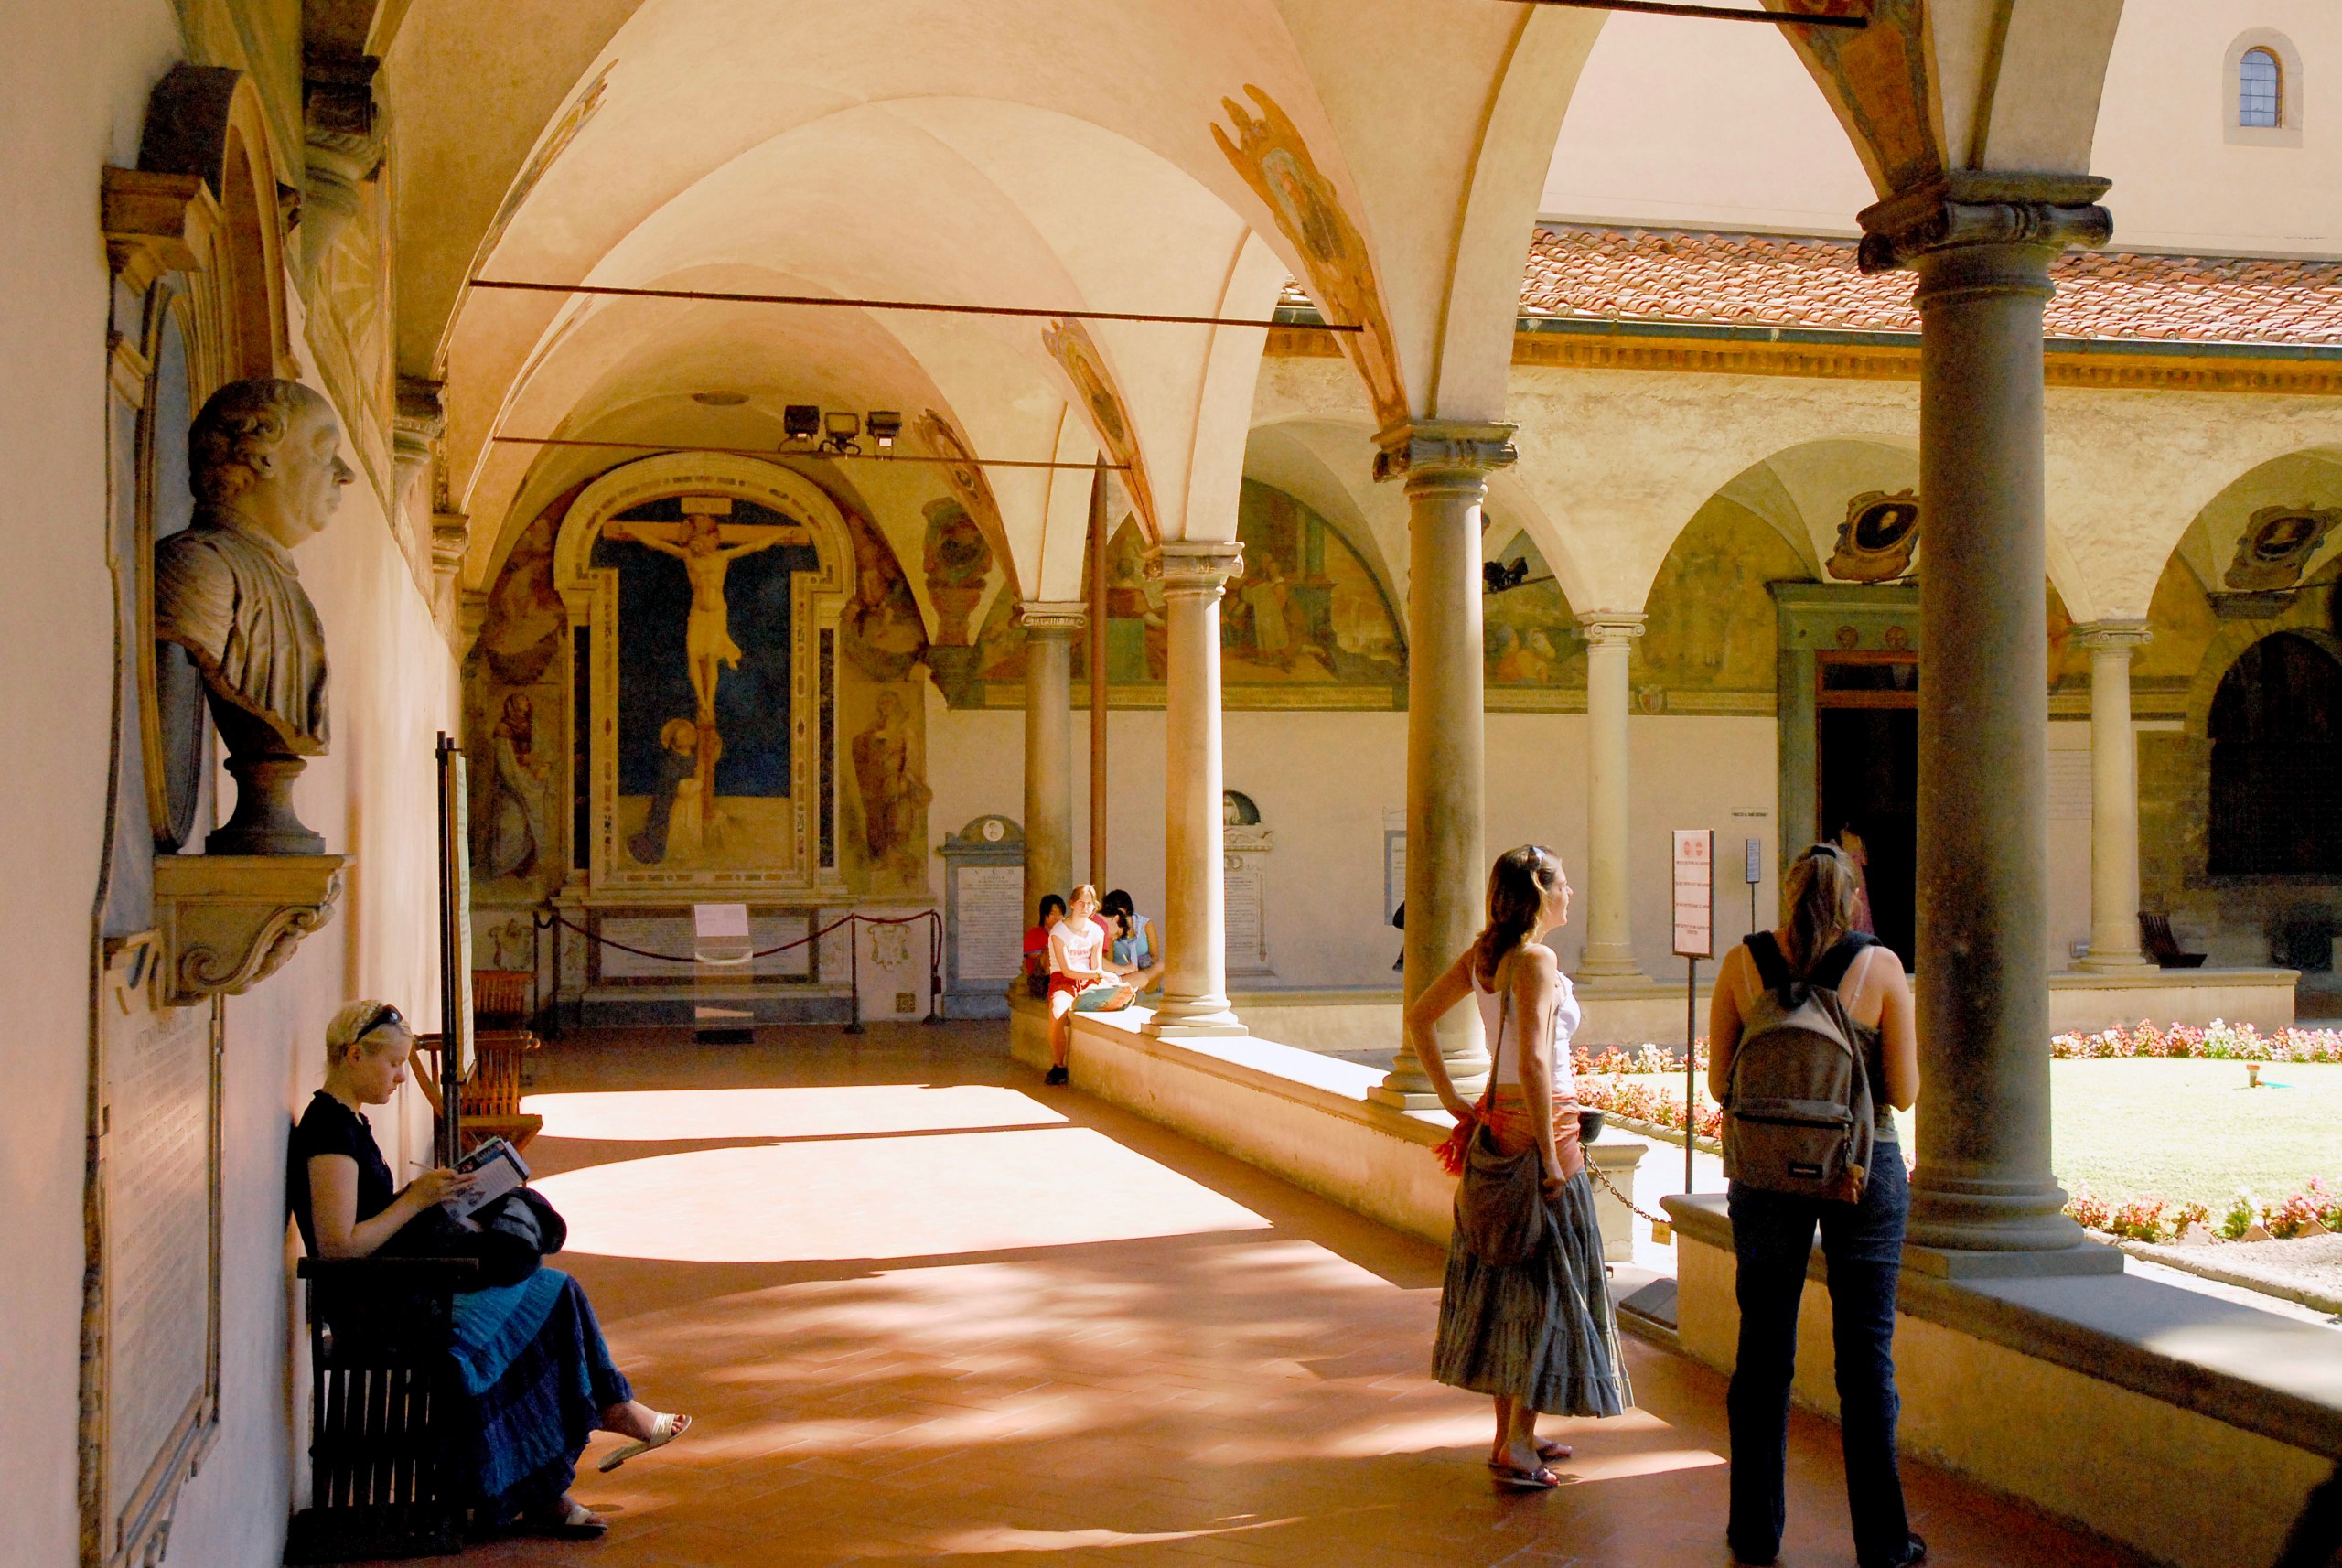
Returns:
<point x="1821" y="889"/>
<point x="1519" y="885"/>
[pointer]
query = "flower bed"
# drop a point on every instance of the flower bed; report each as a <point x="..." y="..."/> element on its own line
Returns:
<point x="2316" y="1210"/>
<point x="2215" y="1041"/>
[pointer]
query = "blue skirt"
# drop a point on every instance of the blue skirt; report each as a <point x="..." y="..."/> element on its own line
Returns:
<point x="537" y="1376"/>
<point x="1540" y="1331"/>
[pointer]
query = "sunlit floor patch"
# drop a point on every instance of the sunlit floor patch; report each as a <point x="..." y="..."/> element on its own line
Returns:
<point x="885" y="1197"/>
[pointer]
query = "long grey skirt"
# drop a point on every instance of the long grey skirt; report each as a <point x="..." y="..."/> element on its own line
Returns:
<point x="1541" y="1331"/>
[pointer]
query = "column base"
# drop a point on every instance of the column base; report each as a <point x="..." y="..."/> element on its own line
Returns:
<point x="1195" y="1018"/>
<point x="1609" y="969"/>
<point x="1981" y="1215"/>
<point x="2095" y="963"/>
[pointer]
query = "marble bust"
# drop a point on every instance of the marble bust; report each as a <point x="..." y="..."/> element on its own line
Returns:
<point x="263" y="459"/>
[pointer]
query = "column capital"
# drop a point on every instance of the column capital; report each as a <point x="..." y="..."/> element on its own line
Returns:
<point x="2105" y="636"/>
<point x="1425" y="447"/>
<point x="1607" y="629"/>
<point x="1194" y="565"/>
<point x="1969" y="207"/>
<point x="1052" y="614"/>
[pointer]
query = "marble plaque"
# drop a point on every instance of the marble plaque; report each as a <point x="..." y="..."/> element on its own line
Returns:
<point x="157" y="1166"/>
<point x="1242" y="869"/>
<point x="988" y="916"/>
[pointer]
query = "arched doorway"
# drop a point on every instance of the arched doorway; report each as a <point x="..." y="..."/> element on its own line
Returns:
<point x="2276" y="785"/>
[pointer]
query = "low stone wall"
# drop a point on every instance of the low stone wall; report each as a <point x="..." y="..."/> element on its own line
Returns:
<point x="2187" y="1427"/>
<point x="1651" y="1012"/>
<point x="1297" y="1115"/>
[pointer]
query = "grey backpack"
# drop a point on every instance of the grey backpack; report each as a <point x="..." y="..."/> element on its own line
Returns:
<point x="1798" y="1110"/>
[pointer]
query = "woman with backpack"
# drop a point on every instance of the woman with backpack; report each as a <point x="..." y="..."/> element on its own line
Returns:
<point x="1524" y="1314"/>
<point x="1815" y="1013"/>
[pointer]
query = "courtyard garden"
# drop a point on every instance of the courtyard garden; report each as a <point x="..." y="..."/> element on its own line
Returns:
<point x="2236" y="1131"/>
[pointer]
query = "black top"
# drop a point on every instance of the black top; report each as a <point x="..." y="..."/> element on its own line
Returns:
<point x="329" y="1127"/>
<point x="1773" y="971"/>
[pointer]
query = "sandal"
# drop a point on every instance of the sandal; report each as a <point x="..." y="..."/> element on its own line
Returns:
<point x="575" y="1522"/>
<point x="1546" y="1449"/>
<point x="1540" y="1480"/>
<point x="663" y="1431"/>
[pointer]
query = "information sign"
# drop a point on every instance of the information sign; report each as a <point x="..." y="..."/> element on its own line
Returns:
<point x="1695" y="886"/>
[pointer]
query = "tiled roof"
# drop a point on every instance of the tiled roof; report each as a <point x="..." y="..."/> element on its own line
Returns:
<point x="1759" y="280"/>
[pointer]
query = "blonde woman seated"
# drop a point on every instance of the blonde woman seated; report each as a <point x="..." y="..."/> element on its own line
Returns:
<point x="531" y="1355"/>
<point x="1079" y="977"/>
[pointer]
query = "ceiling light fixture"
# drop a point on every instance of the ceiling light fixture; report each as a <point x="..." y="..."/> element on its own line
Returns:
<point x="800" y="422"/>
<point x="886" y="426"/>
<point x="842" y="429"/>
<point x="720" y="398"/>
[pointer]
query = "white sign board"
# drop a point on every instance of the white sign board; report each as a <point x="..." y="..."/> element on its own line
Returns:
<point x="1696" y="892"/>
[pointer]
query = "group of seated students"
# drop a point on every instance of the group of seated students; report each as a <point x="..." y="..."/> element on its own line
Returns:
<point x="537" y="1377"/>
<point x="1089" y="955"/>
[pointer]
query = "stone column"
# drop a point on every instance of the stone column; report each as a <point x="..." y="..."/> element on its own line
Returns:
<point x="1195" y="914"/>
<point x="1446" y="467"/>
<point x="1050" y="631"/>
<point x="1981" y="244"/>
<point x="2114" y="800"/>
<point x="1609" y="903"/>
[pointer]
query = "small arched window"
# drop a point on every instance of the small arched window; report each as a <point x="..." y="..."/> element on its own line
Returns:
<point x="2276" y="733"/>
<point x="2260" y="89"/>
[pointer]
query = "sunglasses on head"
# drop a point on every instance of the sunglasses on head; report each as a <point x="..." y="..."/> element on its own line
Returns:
<point x="388" y="1018"/>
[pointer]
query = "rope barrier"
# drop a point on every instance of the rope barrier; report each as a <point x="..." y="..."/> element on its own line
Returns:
<point x="850" y="917"/>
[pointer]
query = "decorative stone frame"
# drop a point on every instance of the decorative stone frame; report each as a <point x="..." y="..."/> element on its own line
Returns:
<point x="817" y="601"/>
<point x="2287" y="131"/>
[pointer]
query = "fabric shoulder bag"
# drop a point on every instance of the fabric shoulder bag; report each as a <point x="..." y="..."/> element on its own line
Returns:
<point x="1501" y="1213"/>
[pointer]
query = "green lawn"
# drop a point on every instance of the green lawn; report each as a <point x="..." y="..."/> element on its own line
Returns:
<point x="2182" y="1129"/>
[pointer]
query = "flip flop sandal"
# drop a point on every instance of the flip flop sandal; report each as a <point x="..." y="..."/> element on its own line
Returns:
<point x="1546" y="1449"/>
<point x="665" y="1430"/>
<point x="577" y="1523"/>
<point x="1540" y="1480"/>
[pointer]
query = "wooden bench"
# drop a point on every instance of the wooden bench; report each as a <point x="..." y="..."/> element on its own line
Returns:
<point x="386" y="1411"/>
<point x="2154" y="935"/>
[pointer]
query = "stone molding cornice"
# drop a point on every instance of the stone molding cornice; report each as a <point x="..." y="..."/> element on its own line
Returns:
<point x="1968" y="207"/>
<point x="1628" y="346"/>
<point x="1427" y="447"/>
<point x="1195" y="566"/>
<point x="2108" y="636"/>
<point x="1608" y="629"/>
<point x="1053" y="616"/>
<point x="156" y="223"/>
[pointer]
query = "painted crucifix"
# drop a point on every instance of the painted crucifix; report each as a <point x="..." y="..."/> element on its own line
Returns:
<point x="707" y="549"/>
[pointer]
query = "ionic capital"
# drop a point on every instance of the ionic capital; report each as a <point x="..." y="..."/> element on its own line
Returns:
<point x="1432" y="447"/>
<point x="1186" y="567"/>
<point x="2044" y="212"/>
<point x="2112" y="636"/>
<point x="1611" y="629"/>
<point x="1047" y="617"/>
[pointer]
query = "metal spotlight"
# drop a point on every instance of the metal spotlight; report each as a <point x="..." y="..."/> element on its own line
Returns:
<point x="800" y="422"/>
<point x="885" y="424"/>
<point x="843" y="428"/>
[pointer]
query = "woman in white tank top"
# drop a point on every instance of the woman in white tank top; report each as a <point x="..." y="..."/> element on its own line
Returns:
<point x="1537" y="1334"/>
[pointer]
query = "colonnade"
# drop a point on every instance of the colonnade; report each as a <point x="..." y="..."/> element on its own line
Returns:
<point x="1982" y="246"/>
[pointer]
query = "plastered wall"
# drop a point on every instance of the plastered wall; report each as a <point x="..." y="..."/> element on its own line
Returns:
<point x="73" y="87"/>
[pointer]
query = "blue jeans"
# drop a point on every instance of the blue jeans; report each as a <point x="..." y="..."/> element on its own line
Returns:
<point x="1772" y="1239"/>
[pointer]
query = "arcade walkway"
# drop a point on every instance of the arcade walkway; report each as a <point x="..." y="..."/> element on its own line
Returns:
<point x="925" y="1310"/>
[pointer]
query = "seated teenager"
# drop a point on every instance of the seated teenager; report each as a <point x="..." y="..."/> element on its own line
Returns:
<point x="531" y="1355"/>
<point x="1037" y="944"/>
<point x="1130" y="951"/>
<point x="1079" y="978"/>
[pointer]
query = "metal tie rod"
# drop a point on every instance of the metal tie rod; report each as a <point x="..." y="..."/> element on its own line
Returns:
<point x="719" y="297"/>
<point x="1708" y="13"/>
<point x="815" y="451"/>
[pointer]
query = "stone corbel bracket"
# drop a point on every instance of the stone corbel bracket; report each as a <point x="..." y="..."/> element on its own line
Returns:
<point x="230" y="921"/>
<point x="156" y="223"/>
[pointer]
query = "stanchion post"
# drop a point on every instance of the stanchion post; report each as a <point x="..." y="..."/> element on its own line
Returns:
<point x="854" y="970"/>
<point x="1695" y="912"/>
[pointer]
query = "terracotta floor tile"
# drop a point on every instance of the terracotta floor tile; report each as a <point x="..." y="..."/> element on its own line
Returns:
<point x="927" y="1311"/>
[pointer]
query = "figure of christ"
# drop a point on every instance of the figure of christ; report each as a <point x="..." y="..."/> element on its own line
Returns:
<point x="707" y="549"/>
